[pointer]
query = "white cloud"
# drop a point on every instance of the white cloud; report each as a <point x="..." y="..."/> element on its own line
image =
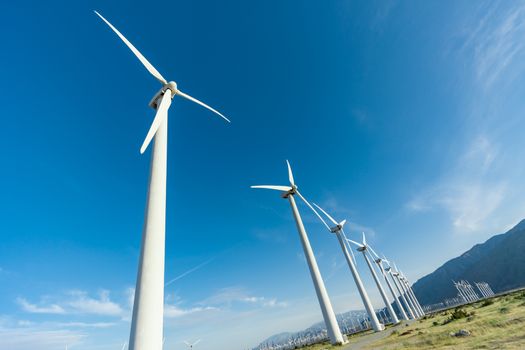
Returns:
<point x="237" y="295"/>
<point x="33" y="308"/>
<point x="173" y="311"/>
<point x="77" y="302"/>
<point x="82" y="303"/>
<point x="468" y="192"/>
<point x="496" y="41"/>
<point x="24" y="338"/>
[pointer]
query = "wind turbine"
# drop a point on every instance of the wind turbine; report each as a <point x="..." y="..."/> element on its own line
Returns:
<point x="393" y="275"/>
<point x="324" y="301"/>
<point x="190" y="345"/>
<point x="399" y="277"/>
<point x="147" y="319"/>
<point x="379" y="262"/>
<point x="341" y="237"/>
<point x="124" y="345"/>
<point x="412" y="294"/>
<point x="363" y="248"/>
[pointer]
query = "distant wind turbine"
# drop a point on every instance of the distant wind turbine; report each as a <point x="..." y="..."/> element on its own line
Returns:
<point x="363" y="248"/>
<point x="398" y="276"/>
<point x="379" y="261"/>
<point x="396" y="282"/>
<point x="339" y="232"/>
<point x="190" y="345"/>
<point x="405" y="280"/>
<point x="324" y="301"/>
<point x="147" y="319"/>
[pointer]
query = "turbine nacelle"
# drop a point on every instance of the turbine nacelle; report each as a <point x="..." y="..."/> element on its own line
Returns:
<point x="337" y="227"/>
<point x="155" y="101"/>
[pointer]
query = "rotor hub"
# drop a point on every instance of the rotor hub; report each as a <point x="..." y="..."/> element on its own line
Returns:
<point x="172" y="86"/>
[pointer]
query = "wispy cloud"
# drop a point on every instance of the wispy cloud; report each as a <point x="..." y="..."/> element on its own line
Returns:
<point x="467" y="192"/>
<point x="42" y="338"/>
<point x="82" y="303"/>
<point x="494" y="40"/>
<point x="75" y="302"/>
<point x="173" y="311"/>
<point x="42" y="309"/>
<point x="235" y="295"/>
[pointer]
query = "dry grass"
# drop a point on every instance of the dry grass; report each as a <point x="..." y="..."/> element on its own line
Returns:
<point x="500" y="325"/>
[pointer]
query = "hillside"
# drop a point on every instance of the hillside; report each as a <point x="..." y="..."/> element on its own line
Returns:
<point x="500" y="261"/>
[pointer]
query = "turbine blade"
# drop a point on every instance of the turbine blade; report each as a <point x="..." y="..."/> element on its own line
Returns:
<point x="193" y="99"/>
<point x="373" y="252"/>
<point x="162" y="113"/>
<point x="197" y="342"/>
<point x="315" y="211"/>
<point x="290" y="174"/>
<point x="356" y="243"/>
<point x="124" y="346"/>
<point x="185" y="342"/>
<point x="142" y="59"/>
<point x="327" y="215"/>
<point x="364" y="239"/>
<point x="271" y="187"/>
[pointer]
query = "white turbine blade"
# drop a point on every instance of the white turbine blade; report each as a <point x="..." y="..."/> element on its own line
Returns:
<point x="271" y="187"/>
<point x="193" y="99"/>
<point x="124" y="346"/>
<point x="197" y="342"/>
<point x="342" y="223"/>
<point x="356" y="243"/>
<point x="364" y="239"/>
<point x="315" y="211"/>
<point x="327" y="215"/>
<point x="373" y="252"/>
<point x="185" y="342"/>
<point x="142" y="59"/>
<point x="162" y="113"/>
<point x="351" y="250"/>
<point x="290" y="174"/>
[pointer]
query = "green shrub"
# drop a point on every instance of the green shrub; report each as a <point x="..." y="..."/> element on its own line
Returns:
<point x="435" y="323"/>
<point x="487" y="302"/>
<point x="504" y="310"/>
<point x="457" y="315"/>
<point x="520" y="296"/>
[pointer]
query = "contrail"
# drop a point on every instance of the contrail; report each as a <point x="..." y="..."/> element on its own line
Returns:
<point x="190" y="271"/>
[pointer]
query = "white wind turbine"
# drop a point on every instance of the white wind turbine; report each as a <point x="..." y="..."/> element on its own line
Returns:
<point x="415" y="310"/>
<point x="363" y="248"/>
<point x="191" y="345"/>
<point x="339" y="232"/>
<point x="379" y="261"/>
<point x="393" y="276"/>
<point x="324" y="301"/>
<point x="147" y="319"/>
<point x="412" y="294"/>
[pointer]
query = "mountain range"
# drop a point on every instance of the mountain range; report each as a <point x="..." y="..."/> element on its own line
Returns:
<point x="500" y="262"/>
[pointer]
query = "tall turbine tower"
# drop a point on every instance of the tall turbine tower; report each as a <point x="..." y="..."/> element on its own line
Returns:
<point x="324" y="301"/>
<point x="339" y="232"/>
<point x="147" y="319"/>
<point x="363" y="248"/>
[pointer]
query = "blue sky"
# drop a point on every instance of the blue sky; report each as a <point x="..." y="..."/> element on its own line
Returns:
<point x="406" y="118"/>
